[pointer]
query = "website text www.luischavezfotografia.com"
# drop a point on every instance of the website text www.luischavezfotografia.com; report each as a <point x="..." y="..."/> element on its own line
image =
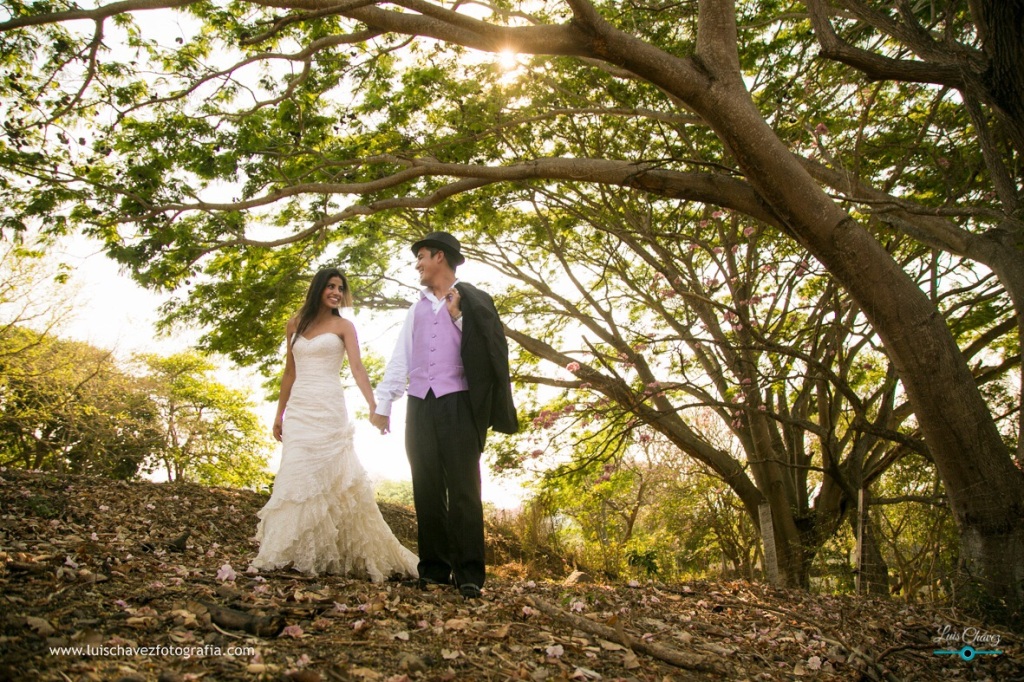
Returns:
<point x="122" y="651"/>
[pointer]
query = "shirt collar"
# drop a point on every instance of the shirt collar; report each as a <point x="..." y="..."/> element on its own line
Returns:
<point x="428" y="294"/>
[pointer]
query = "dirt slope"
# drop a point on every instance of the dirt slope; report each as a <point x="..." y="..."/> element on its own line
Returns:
<point x="106" y="580"/>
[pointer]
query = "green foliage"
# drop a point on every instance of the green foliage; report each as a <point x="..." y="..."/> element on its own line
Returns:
<point x="916" y="526"/>
<point x="211" y="435"/>
<point x="66" y="406"/>
<point x="71" y="407"/>
<point x="644" y="512"/>
<point x="396" y="492"/>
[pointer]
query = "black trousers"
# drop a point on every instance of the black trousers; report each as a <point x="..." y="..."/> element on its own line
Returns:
<point x="444" y="455"/>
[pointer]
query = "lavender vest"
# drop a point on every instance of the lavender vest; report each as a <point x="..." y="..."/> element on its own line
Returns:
<point x="436" y="353"/>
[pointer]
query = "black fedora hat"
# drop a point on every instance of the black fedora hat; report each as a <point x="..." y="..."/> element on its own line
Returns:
<point x="443" y="241"/>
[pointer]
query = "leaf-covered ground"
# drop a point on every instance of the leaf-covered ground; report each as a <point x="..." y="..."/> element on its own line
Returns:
<point x="95" y="571"/>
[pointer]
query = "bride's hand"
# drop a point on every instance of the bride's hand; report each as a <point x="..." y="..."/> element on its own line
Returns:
<point x="381" y="422"/>
<point x="278" y="429"/>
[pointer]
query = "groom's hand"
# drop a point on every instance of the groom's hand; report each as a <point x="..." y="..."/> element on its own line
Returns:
<point x="381" y="422"/>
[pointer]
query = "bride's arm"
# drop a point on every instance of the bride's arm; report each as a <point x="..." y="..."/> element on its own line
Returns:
<point x="287" y="379"/>
<point x="355" y="364"/>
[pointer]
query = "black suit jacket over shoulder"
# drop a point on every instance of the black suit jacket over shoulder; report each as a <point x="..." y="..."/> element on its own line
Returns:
<point x="485" y="359"/>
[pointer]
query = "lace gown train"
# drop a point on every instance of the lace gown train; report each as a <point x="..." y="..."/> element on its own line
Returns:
<point x="322" y="516"/>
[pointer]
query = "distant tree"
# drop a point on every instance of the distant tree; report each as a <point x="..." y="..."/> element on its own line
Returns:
<point x="210" y="433"/>
<point x="917" y="531"/>
<point x="642" y="507"/>
<point x="396" y="492"/>
<point x="67" y="406"/>
<point x="34" y="292"/>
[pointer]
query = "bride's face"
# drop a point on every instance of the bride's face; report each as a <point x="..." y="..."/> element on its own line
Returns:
<point x="333" y="293"/>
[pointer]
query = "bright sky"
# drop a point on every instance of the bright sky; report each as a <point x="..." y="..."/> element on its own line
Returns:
<point x="115" y="313"/>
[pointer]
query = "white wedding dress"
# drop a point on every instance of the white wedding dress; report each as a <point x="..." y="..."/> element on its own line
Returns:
<point x="322" y="516"/>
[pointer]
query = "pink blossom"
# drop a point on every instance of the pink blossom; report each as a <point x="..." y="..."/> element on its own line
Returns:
<point x="821" y="129"/>
<point x="545" y="419"/>
<point x="226" y="573"/>
<point x="573" y="367"/>
<point x="718" y="214"/>
<point x="748" y="231"/>
<point x="291" y="631"/>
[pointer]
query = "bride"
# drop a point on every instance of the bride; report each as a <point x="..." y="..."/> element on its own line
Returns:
<point x="322" y="516"/>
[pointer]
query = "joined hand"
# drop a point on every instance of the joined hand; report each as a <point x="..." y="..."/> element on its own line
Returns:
<point x="382" y="422"/>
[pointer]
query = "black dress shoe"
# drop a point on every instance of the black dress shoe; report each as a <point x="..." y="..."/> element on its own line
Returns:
<point x="469" y="591"/>
<point x="431" y="584"/>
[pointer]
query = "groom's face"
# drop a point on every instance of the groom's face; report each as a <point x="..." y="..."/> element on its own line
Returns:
<point x="429" y="265"/>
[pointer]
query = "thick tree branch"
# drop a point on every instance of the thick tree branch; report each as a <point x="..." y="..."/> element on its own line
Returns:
<point x="718" y="190"/>
<point x="98" y="14"/>
<point x="874" y="66"/>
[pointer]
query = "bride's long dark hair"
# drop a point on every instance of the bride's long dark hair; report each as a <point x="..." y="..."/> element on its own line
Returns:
<point x="315" y="293"/>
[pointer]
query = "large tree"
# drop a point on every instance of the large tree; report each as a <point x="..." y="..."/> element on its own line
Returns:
<point x="273" y="111"/>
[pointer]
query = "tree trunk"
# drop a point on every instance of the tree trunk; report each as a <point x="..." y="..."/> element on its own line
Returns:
<point x="994" y="561"/>
<point x="1000" y="24"/>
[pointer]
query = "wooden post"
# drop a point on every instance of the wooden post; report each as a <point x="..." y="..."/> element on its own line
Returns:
<point x="862" y="510"/>
<point x="771" y="559"/>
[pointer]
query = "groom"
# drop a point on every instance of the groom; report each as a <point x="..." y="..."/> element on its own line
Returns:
<point x="452" y="359"/>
